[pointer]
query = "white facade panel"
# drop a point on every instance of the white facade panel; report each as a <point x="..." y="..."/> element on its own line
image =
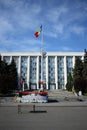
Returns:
<point x="55" y="72"/>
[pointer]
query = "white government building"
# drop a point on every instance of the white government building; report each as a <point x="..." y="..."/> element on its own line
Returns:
<point x="56" y="67"/>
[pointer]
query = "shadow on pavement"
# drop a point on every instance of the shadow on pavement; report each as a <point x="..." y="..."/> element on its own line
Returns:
<point x="52" y="100"/>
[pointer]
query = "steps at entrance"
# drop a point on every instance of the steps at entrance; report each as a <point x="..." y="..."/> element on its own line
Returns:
<point x="62" y="95"/>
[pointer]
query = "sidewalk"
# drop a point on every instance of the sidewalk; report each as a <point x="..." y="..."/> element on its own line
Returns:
<point x="64" y="103"/>
<point x="55" y="99"/>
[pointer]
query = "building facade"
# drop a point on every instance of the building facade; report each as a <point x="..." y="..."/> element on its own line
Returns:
<point x="56" y="67"/>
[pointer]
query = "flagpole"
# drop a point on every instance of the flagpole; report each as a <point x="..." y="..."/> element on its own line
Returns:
<point x="42" y="41"/>
<point x="42" y="51"/>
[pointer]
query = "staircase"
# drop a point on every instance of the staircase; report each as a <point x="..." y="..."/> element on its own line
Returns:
<point x="61" y="95"/>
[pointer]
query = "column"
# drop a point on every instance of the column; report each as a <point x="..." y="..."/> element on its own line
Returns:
<point x="28" y="71"/>
<point x="10" y="59"/>
<point x="19" y="66"/>
<point x="56" y="73"/>
<point x="46" y="72"/>
<point x="19" y="70"/>
<point x="73" y="61"/>
<point x="82" y="58"/>
<point x="37" y="73"/>
<point x="65" y="72"/>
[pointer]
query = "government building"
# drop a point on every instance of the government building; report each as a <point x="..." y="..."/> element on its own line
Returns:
<point x="51" y="67"/>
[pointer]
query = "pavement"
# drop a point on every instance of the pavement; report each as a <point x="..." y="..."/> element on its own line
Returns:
<point x="47" y="118"/>
<point x="55" y="98"/>
<point x="64" y="111"/>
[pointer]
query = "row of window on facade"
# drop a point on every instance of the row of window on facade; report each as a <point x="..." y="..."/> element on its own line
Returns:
<point x="51" y="64"/>
<point x="51" y="67"/>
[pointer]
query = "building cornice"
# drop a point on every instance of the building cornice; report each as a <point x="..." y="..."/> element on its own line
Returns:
<point x="39" y="53"/>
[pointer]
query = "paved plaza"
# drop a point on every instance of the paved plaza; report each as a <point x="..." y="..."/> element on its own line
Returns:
<point x="67" y="112"/>
<point x="46" y="118"/>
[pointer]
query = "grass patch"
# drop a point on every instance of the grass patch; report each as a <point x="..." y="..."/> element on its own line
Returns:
<point x="85" y="94"/>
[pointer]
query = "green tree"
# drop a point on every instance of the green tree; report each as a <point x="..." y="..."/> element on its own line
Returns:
<point x="78" y="75"/>
<point x="3" y="75"/>
<point x="69" y="84"/>
<point x="12" y="76"/>
<point x="85" y="65"/>
<point x="8" y="77"/>
<point x="85" y="71"/>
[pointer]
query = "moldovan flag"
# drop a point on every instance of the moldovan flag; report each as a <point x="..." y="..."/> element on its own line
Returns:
<point x="42" y="82"/>
<point x="37" y="33"/>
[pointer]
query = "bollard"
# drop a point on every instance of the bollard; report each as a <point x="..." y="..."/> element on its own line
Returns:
<point x="33" y="108"/>
<point x="19" y="109"/>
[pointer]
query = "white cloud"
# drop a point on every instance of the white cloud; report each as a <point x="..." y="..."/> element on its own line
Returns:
<point x="77" y="29"/>
<point x="65" y="48"/>
<point x="19" y="19"/>
<point x="54" y="14"/>
<point x="64" y="17"/>
<point x="5" y="25"/>
<point x="21" y="13"/>
<point x="50" y="34"/>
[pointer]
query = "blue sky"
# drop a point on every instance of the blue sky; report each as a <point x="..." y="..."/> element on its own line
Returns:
<point x="64" y="25"/>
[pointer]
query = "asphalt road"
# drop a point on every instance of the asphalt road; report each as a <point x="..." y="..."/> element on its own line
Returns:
<point x="45" y="118"/>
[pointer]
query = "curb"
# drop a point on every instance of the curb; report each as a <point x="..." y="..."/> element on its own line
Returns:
<point x="58" y="104"/>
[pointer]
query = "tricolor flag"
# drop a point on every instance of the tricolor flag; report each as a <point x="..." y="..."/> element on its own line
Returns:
<point x="37" y="33"/>
<point x="42" y="82"/>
